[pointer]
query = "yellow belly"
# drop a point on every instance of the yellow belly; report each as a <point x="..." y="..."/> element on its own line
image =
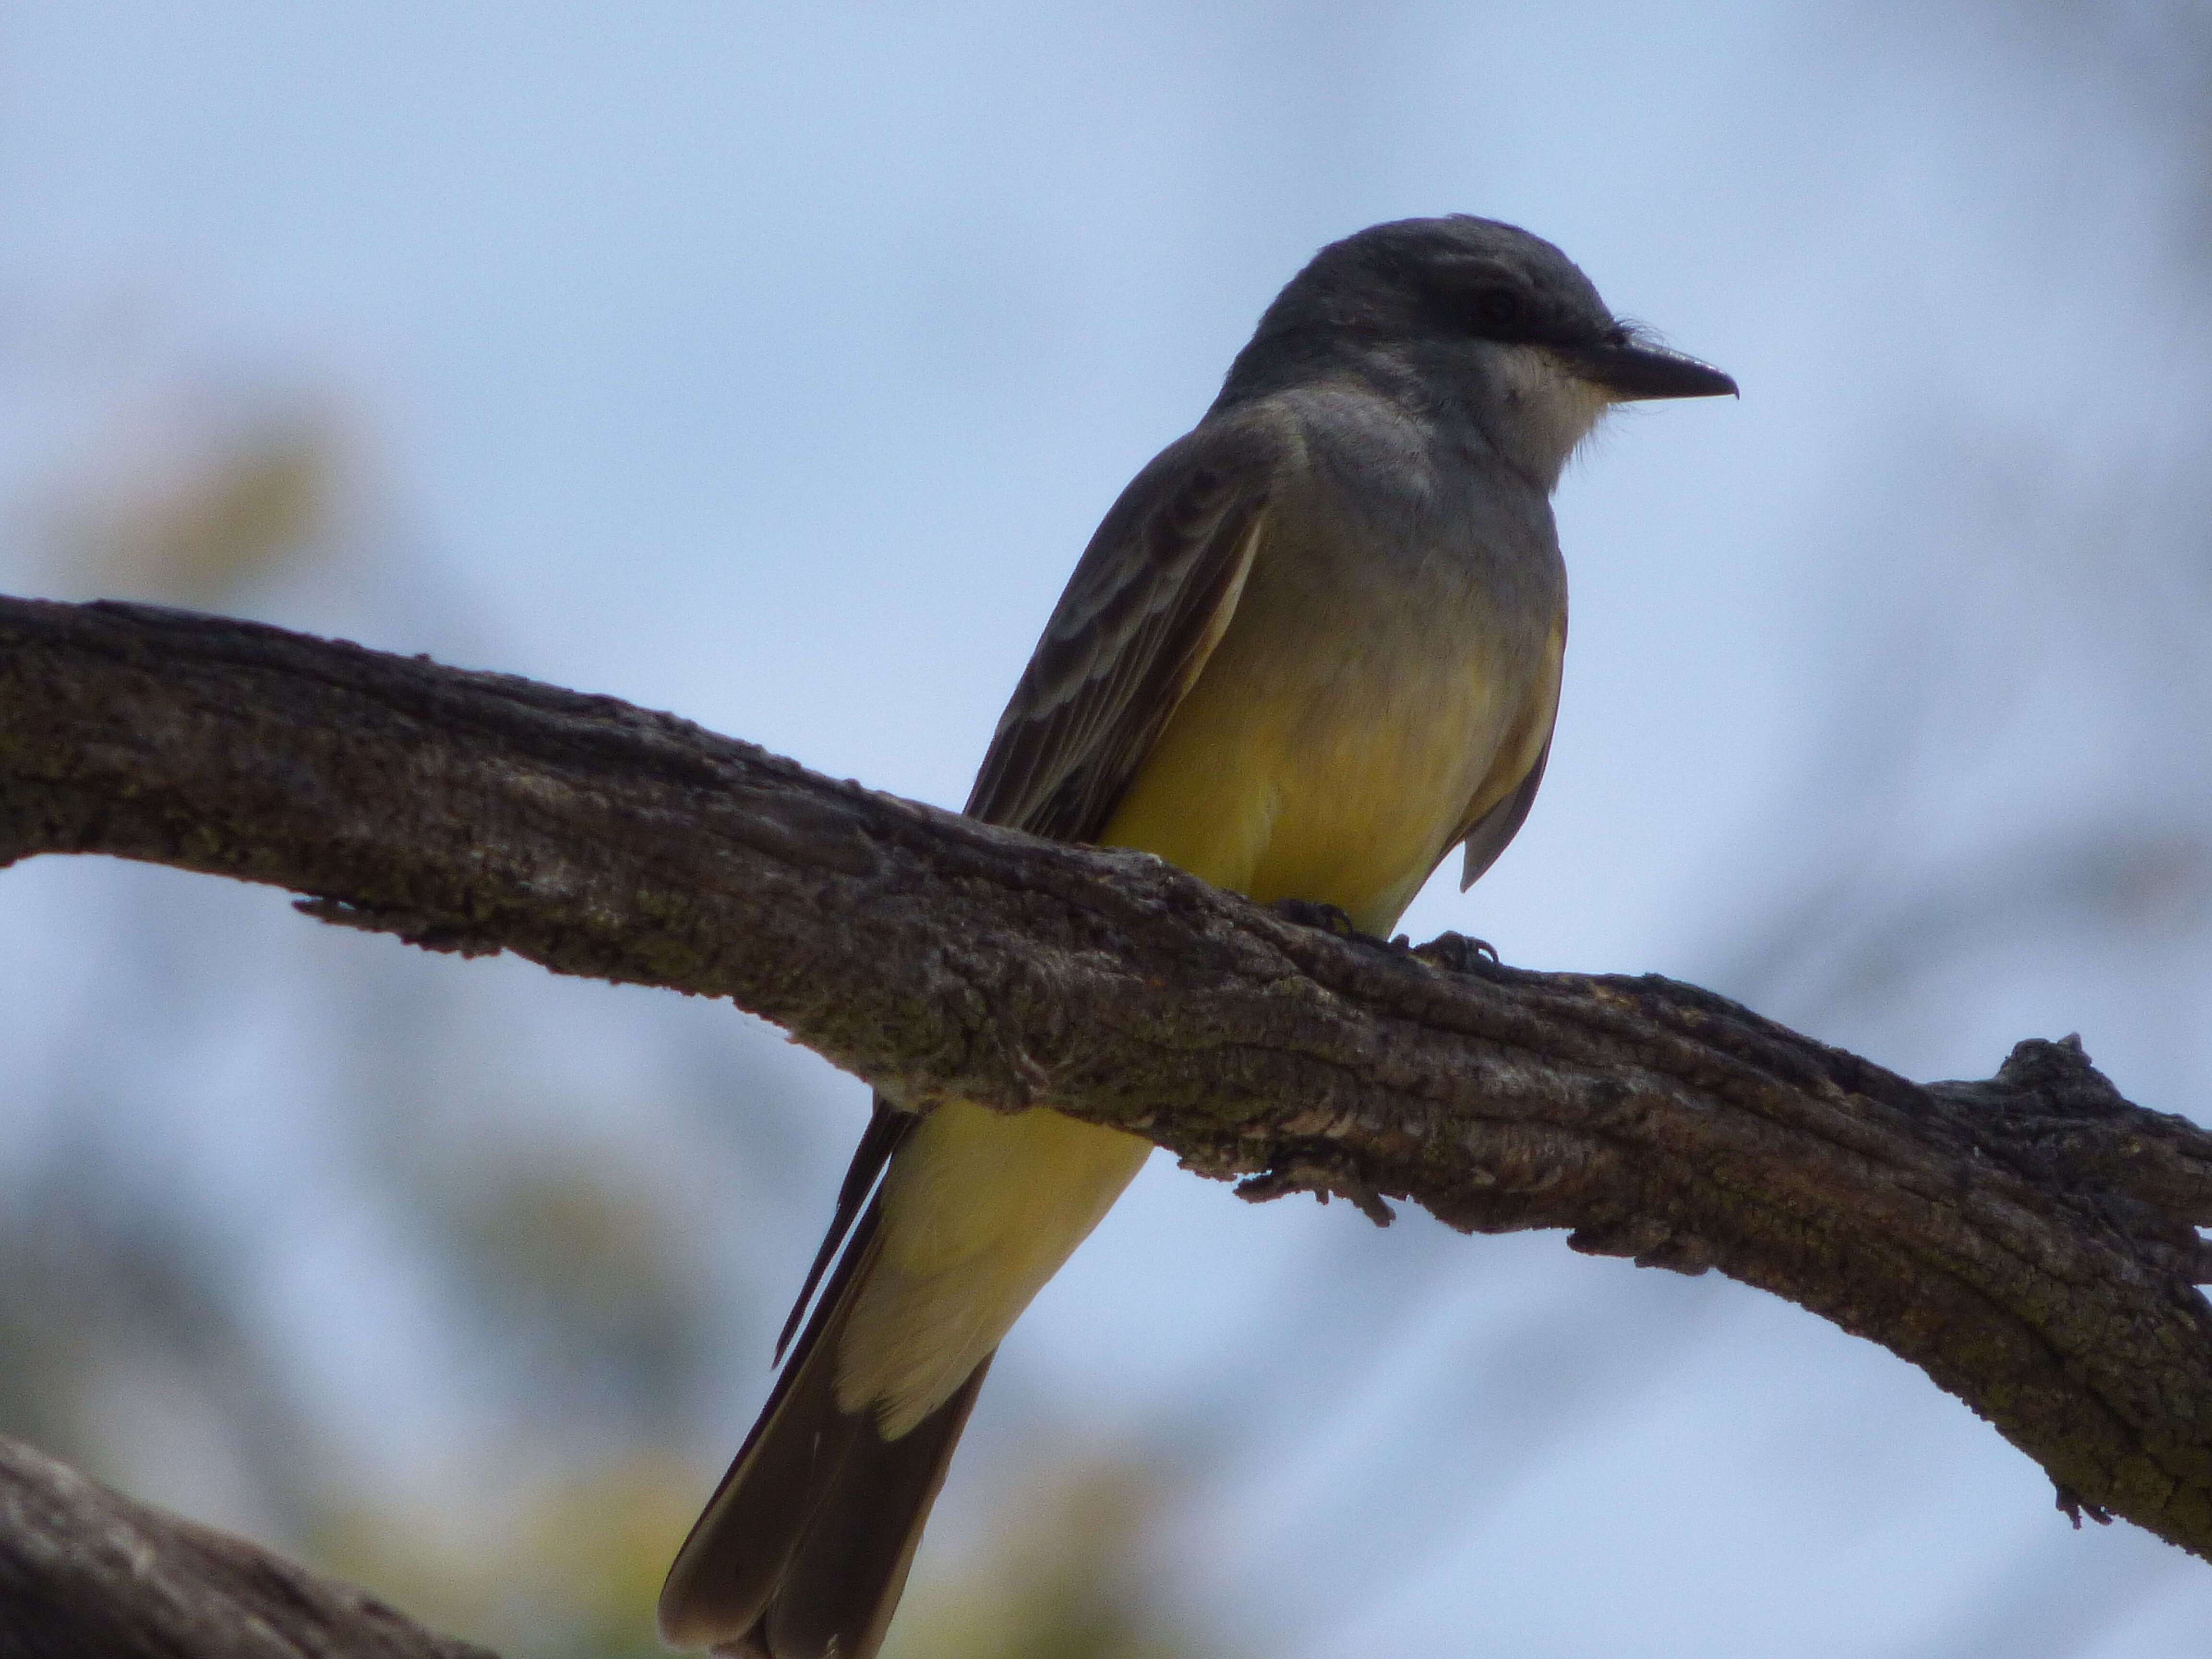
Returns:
<point x="980" y="1209"/>
<point x="1286" y="773"/>
<point x="1348" y="803"/>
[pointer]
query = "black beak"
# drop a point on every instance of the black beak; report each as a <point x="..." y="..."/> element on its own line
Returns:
<point x="1633" y="372"/>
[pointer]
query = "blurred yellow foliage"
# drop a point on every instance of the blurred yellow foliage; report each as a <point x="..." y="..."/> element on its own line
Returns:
<point x="1065" y="1579"/>
<point x="193" y="534"/>
<point x="571" y="1574"/>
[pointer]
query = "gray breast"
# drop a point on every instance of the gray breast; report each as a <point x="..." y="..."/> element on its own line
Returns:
<point x="1408" y="520"/>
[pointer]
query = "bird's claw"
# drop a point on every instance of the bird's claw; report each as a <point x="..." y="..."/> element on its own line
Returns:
<point x="1459" y="953"/>
<point x="1311" y="912"/>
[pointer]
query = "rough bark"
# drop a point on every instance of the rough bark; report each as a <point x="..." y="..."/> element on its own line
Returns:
<point x="2030" y="1242"/>
<point x="85" y="1573"/>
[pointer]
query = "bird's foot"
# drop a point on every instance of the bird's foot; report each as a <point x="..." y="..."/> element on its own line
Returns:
<point x="1310" y="913"/>
<point x="1459" y="953"/>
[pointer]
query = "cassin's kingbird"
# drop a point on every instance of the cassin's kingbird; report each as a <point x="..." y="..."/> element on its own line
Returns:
<point x="1314" y="646"/>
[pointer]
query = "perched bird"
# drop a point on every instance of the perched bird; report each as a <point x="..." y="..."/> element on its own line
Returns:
<point x="1313" y="647"/>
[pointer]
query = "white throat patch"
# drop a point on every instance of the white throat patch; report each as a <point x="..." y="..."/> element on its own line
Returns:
<point x="1552" y="408"/>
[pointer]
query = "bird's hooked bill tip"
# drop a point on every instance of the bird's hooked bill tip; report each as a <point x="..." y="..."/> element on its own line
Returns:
<point x="1633" y="372"/>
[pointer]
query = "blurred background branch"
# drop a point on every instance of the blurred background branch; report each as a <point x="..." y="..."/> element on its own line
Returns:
<point x="85" y="1571"/>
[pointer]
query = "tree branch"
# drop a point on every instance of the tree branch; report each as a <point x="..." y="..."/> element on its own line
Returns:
<point x="2030" y="1242"/>
<point x="85" y="1571"/>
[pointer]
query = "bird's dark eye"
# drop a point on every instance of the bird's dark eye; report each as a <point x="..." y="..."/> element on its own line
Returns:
<point x="1497" y="307"/>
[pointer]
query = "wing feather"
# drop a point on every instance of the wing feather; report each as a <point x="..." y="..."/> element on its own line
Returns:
<point x="1146" y="607"/>
<point x="1494" y="818"/>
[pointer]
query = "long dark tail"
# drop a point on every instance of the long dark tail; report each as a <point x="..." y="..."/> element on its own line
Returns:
<point x="803" y="1550"/>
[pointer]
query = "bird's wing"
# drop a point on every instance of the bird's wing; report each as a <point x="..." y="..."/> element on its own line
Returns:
<point x="1147" y="603"/>
<point x="886" y="1130"/>
<point x="1502" y="801"/>
<point x="1146" y="606"/>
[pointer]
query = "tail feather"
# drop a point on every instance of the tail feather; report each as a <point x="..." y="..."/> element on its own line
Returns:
<point x="803" y="1550"/>
<point x="841" y="1585"/>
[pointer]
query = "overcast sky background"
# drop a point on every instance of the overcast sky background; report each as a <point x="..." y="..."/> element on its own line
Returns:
<point x="773" y="365"/>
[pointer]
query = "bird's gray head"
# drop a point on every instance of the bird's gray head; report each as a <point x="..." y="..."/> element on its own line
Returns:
<point x="1471" y="313"/>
